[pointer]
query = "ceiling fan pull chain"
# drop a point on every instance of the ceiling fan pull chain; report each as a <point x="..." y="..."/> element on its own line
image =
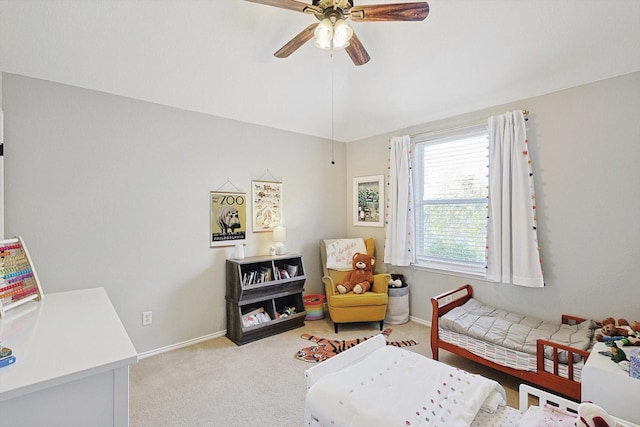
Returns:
<point x="333" y="161"/>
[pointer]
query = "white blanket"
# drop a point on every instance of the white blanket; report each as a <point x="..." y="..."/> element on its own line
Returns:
<point x="340" y="252"/>
<point x="401" y="388"/>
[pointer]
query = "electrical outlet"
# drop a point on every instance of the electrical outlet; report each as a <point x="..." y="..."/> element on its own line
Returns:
<point x="147" y="318"/>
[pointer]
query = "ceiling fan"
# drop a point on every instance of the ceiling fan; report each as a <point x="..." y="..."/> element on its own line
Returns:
<point x="332" y="32"/>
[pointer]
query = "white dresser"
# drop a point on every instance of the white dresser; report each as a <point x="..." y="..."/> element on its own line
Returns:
<point x="609" y="386"/>
<point x="72" y="368"/>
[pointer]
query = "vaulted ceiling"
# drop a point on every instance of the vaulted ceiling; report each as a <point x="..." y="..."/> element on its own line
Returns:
<point x="216" y="57"/>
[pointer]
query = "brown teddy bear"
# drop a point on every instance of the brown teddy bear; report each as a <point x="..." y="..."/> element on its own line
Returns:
<point x="610" y="329"/>
<point x="361" y="278"/>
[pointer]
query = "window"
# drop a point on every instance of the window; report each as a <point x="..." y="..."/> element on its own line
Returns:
<point x="451" y="188"/>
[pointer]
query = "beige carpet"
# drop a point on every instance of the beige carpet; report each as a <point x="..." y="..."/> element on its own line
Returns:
<point x="216" y="383"/>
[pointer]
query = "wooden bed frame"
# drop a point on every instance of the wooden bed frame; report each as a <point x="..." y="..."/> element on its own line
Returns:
<point x="568" y="387"/>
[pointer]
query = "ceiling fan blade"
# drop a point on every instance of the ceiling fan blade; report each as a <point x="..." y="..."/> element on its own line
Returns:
<point x="294" y="5"/>
<point x="416" y="11"/>
<point x="356" y="51"/>
<point x="293" y="44"/>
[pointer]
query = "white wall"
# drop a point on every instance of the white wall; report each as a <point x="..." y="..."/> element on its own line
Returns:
<point x="109" y="191"/>
<point x="585" y="148"/>
<point x="113" y="192"/>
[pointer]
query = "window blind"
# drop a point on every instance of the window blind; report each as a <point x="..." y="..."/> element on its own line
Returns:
<point x="451" y="198"/>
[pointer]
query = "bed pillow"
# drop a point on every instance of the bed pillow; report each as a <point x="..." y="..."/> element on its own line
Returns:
<point x="580" y="336"/>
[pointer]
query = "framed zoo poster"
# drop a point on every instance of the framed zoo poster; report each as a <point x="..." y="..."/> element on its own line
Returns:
<point x="267" y="205"/>
<point x="228" y="218"/>
<point x="368" y="201"/>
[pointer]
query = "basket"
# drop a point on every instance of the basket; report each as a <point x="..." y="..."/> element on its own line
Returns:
<point x="313" y="305"/>
<point x="398" y="308"/>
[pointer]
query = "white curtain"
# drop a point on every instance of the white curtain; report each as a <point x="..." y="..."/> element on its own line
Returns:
<point x="512" y="242"/>
<point x="398" y="245"/>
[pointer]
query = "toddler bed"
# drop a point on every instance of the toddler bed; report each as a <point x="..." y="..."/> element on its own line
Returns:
<point x="550" y="355"/>
<point x="373" y="384"/>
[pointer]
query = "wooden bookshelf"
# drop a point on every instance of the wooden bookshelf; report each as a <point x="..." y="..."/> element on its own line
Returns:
<point x="264" y="296"/>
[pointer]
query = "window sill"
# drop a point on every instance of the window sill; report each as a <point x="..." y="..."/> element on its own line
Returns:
<point x="449" y="271"/>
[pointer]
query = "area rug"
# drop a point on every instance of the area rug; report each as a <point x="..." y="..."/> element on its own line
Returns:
<point x="327" y="348"/>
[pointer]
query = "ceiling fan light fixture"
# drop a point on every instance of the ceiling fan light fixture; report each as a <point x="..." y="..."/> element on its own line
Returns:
<point x="333" y="33"/>
<point x="323" y="34"/>
<point x="342" y="33"/>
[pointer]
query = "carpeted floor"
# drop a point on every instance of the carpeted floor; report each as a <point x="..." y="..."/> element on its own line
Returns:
<point x="216" y="383"/>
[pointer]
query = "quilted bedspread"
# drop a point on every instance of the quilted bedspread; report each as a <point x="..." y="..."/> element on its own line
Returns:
<point x="512" y="330"/>
<point x="402" y="388"/>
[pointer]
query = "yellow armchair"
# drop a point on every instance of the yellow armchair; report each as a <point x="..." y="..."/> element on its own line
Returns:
<point x="370" y="306"/>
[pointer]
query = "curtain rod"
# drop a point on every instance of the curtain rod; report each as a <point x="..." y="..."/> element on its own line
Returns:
<point x="453" y="129"/>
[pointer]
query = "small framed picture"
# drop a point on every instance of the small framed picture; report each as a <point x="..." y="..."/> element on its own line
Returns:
<point x="228" y="218"/>
<point x="368" y="201"/>
<point x="266" y="199"/>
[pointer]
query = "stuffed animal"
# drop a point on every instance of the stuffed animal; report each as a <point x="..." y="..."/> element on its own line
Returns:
<point x="632" y="339"/>
<point x="610" y="329"/>
<point x="396" y="281"/>
<point x="361" y="278"/>
<point x="591" y="415"/>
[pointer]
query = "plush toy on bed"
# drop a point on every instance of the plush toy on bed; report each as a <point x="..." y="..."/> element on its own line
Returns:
<point x="591" y="415"/>
<point x="632" y="339"/>
<point x="361" y="278"/>
<point x="611" y="331"/>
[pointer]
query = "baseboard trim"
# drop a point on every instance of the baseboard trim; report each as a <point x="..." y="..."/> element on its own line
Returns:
<point x="180" y="345"/>
<point x="223" y="333"/>
<point x="420" y="321"/>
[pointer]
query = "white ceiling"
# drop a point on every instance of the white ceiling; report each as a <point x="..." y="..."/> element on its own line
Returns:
<point x="216" y="57"/>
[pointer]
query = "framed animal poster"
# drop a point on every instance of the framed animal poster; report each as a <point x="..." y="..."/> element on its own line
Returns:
<point x="267" y="205"/>
<point x="228" y="218"/>
<point x="368" y="201"/>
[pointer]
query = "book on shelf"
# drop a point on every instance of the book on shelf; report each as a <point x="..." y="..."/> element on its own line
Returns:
<point x="248" y="278"/>
<point x="282" y="273"/>
<point x="263" y="275"/>
<point x="255" y="317"/>
<point x="292" y="270"/>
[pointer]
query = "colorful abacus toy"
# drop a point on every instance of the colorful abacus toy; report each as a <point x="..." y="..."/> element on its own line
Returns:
<point x="18" y="280"/>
